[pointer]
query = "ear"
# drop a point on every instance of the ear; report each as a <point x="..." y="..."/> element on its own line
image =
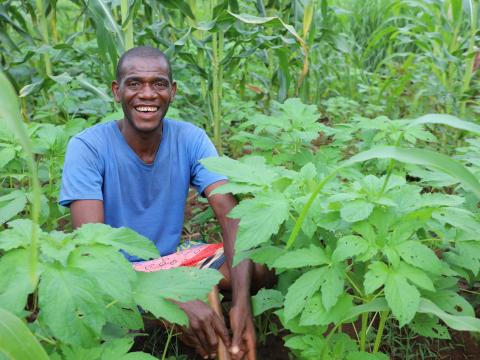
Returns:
<point x="174" y="90"/>
<point x="115" y="90"/>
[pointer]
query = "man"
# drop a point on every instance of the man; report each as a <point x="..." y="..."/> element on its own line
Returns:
<point x="135" y="172"/>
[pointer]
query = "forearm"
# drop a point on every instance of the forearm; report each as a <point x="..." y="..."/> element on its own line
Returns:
<point x="241" y="274"/>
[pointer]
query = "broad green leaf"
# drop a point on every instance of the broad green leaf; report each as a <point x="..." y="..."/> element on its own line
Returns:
<point x="419" y="255"/>
<point x="450" y="301"/>
<point x="161" y="308"/>
<point x="466" y="254"/>
<point x="11" y="205"/>
<point x="181" y="284"/>
<point x="265" y="255"/>
<point x="315" y="313"/>
<point x="15" y="283"/>
<point x="6" y="155"/>
<point x="242" y="172"/>
<point x="445" y="119"/>
<point x="109" y="268"/>
<point x="16" y="340"/>
<point x="428" y="326"/>
<point x="332" y="287"/>
<point x="266" y="299"/>
<point x="459" y="218"/>
<point x="71" y="306"/>
<point x="377" y="305"/>
<point x="152" y="290"/>
<point x="428" y="158"/>
<point x="349" y="246"/>
<point x="259" y="219"/>
<point x="461" y="323"/>
<point x="416" y="276"/>
<point x="356" y="210"/>
<point x="118" y="349"/>
<point x="126" y="318"/>
<point x="120" y="238"/>
<point x="57" y="246"/>
<point x="236" y="189"/>
<point x="311" y="256"/>
<point x="376" y="276"/>
<point x="18" y="234"/>
<point x="402" y="298"/>
<point x="302" y="290"/>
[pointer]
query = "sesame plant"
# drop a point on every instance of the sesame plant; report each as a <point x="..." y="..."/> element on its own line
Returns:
<point x="359" y="239"/>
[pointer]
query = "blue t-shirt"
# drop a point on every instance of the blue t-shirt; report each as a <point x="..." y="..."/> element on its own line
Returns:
<point x="148" y="198"/>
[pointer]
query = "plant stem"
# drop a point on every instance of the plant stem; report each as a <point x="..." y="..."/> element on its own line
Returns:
<point x="169" y="338"/>
<point x="127" y="27"/>
<point x="381" y="327"/>
<point x="363" y="333"/>
<point x="44" y="32"/>
<point x="217" y="76"/>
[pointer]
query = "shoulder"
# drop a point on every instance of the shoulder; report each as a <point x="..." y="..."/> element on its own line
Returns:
<point x="96" y="137"/>
<point x="182" y="128"/>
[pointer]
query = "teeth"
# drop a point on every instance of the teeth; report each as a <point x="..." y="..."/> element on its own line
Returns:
<point x="146" y="108"/>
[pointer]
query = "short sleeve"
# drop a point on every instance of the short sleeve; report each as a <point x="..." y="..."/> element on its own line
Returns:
<point x="201" y="177"/>
<point x="82" y="176"/>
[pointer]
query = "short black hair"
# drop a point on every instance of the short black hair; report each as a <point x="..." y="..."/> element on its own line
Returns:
<point x="142" y="52"/>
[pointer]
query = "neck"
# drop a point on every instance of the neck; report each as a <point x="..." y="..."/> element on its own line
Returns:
<point x="144" y="144"/>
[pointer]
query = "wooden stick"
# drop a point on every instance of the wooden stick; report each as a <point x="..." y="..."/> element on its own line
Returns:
<point x="214" y="300"/>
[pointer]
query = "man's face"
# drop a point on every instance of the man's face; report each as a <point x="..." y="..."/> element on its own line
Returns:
<point x="145" y="92"/>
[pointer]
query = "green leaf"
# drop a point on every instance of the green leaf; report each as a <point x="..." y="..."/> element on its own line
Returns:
<point x="109" y="268"/>
<point x="311" y="256"/>
<point x="356" y="210"/>
<point x="57" y="246"/>
<point x="152" y="290"/>
<point x="461" y="323"/>
<point x="237" y="171"/>
<point x="416" y="276"/>
<point x="419" y="255"/>
<point x="15" y="282"/>
<point x="402" y="298"/>
<point x="450" y="301"/>
<point x="161" y="308"/>
<point x="349" y="246"/>
<point x="428" y="158"/>
<point x="301" y="290"/>
<point x="315" y="313"/>
<point x="236" y="189"/>
<point x="259" y="219"/>
<point x="376" y="276"/>
<point x="71" y="306"/>
<point x="6" y="155"/>
<point x="16" y="340"/>
<point x="449" y="120"/>
<point x="459" y="218"/>
<point x="11" y="205"/>
<point x="332" y="287"/>
<point x="17" y="235"/>
<point x="266" y="299"/>
<point x="120" y="238"/>
<point x="129" y="319"/>
<point x="428" y="326"/>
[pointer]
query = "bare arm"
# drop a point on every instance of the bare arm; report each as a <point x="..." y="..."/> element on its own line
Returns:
<point x="243" y="341"/>
<point x="86" y="211"/>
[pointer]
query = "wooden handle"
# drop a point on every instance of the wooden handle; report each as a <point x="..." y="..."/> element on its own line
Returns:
<point x="214" y="300"/>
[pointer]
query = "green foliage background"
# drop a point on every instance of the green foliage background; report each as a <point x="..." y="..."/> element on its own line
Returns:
<point x="365" y="207"/>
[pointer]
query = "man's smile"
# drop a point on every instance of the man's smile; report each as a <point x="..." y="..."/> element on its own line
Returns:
<point x="146" y="109"/>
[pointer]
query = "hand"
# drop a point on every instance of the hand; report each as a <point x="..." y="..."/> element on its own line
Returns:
<point x="205" y="326"/>
<point x="244" y="338"/>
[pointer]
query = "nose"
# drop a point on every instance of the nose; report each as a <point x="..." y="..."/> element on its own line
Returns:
<point x="147" y="92"/>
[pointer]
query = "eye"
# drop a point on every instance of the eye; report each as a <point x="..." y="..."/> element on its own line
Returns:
<point x="162" y="84"/>
<point x="133" y="84"/>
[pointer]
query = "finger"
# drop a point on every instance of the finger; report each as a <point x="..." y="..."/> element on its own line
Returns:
<point x="251" y="343"/>
<point x="211" y="337"/>
<point x="221" y="330"/>
<point x="201" y="342"/>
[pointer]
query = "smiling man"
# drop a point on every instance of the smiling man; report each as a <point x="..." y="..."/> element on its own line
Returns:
<point x="136" y="172"/>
